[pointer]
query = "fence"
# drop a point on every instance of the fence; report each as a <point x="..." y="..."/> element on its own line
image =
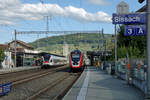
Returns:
<point x="136" y="74"/>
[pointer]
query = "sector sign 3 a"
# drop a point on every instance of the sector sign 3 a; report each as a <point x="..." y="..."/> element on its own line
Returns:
<point x="132" y="18"/>
<point x="135" y="30"/>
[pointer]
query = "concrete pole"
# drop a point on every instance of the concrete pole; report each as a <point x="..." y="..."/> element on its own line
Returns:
<point x="47" y="28"/>
<point x="15" y="47"/>
<point x="47" y="24"/>
<point x="103" y="44"/>
<point x="115" y="49"/>
<point x="104" y="39"/>
<point x="38" y="43"/>
<point x="104" y="54"/>
<point x="148" y="49"/>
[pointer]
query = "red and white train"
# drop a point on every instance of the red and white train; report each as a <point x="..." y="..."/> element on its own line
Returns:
<point x="76" y="60"/>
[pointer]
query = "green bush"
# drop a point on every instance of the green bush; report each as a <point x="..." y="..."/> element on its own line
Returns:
<point x="2" y="55"/>
<point x="121" y="52"/>
<point x="132" y="52"/>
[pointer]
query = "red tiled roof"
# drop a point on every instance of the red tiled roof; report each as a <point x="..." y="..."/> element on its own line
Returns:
<point x="3" y="46"/>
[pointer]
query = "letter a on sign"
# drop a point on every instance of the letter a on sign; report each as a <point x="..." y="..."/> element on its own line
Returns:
<point x="140" y="31"/>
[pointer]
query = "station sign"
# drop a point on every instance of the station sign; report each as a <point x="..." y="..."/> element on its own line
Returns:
<point x="132" y="18"/>
<point x="135" y="30"/>
<point x="5" y="88"/>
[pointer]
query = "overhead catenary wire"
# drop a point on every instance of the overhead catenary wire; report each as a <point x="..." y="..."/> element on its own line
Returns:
<point x="48" y="11"/>
<point x="47" y="23"/>
<point x="48" y="18"/>
<point x="56" y="32"/>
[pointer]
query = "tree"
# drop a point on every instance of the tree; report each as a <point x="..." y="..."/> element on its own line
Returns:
<point x="2" y="55"/>
<point x="135" y="45"/>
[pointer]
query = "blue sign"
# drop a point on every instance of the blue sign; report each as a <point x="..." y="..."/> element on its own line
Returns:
<point x="5" y="88"/>
<point x="132" y="18"/>
<point x="136" y="30"/>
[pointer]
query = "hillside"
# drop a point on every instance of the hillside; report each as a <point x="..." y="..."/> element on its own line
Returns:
<point x="82" y="41"/>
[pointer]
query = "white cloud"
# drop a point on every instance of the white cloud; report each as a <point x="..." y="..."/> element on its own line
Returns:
<point x="13" y="11"/>
<point x="81" y="15"/>
<point x="99" y="2"/>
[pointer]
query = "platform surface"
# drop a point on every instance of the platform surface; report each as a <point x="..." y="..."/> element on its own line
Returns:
<point x="16" y="69"/>
<point x="95" y="84"/>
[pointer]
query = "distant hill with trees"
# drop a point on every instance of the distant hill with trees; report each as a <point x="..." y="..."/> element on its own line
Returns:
<point x="82" y="41"/>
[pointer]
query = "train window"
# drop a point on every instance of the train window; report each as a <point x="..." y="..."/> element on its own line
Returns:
<point x="75" y="57"/>
<point x="51" y="60"/>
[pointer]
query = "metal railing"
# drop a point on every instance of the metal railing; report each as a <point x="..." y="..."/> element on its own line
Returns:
<point x="136" y="75"/>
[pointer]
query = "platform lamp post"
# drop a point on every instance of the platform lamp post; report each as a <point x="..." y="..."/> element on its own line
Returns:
<point x="148" y="47"/>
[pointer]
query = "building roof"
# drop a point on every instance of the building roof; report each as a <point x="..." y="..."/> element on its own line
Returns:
<point x="3" y="46"/>
<point x="23" y="43"/>
<point x="143" y="9"/>
<point x="32" y="51"/>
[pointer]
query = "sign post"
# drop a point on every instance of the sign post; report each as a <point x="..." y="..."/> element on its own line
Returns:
<point x="122" y="8"/>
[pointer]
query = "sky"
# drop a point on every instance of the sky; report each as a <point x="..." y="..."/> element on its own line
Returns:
<point x="64" y="15"/>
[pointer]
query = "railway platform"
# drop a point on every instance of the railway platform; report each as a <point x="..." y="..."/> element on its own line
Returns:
<point x="95" y="84"/>
<point x="17" y="69"/>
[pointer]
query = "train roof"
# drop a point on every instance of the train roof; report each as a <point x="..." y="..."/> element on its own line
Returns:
<point x="43" y="53"/>
<point x="76" y="51"/>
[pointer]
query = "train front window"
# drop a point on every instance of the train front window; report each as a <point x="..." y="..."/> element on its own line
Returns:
<point x="46" y="57"/>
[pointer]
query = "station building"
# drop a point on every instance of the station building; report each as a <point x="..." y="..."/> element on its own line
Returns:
<point x="25" y="55"/>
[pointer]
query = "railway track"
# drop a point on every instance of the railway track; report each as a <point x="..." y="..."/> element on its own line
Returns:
<point x="56" y="83"/>
<point x="62" y="93"/>
<point x="50" y="86"/>
<point x="37" y="75"/>
<point x="4" y="77"/>
<point x="18" y="78"/>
